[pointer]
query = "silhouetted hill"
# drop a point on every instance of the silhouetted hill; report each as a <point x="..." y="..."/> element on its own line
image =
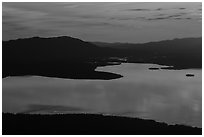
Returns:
<point x="63" y="57"/>
<point x="88" y="124"/>
<point x="56" y="49"/>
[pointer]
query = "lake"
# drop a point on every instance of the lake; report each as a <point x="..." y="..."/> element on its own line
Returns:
<point x="162" y="95"/>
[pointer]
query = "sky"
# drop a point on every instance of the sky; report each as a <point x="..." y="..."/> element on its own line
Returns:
<point x="134" y="22"/>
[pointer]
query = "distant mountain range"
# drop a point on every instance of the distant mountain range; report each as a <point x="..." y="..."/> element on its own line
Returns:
<point x="69" y="57"/>
<point x="178" y="53"/>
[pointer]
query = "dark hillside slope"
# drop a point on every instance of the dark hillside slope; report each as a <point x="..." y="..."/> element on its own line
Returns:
<point x="64" y="57"/>
<point x="48" y="50"/>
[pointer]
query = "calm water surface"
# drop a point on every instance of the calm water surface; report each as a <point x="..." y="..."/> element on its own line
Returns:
<point x="162" y="95"/>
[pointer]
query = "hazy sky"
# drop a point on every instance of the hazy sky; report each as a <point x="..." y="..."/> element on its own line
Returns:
<point x="109" y="22"/>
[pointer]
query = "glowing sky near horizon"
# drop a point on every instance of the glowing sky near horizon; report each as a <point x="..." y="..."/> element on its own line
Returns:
<point x="108" y="22"/>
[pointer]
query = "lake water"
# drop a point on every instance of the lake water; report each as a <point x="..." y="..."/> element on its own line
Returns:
<point x="162" y="95"/>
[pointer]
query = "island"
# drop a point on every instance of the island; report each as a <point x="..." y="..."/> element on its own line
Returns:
<point x="190" y="75"/>
<point x="153" y="68"/>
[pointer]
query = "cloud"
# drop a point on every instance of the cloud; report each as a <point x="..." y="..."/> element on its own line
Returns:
<point x="82" y="24"/>
<point x="19" y="17"/>
<point x="19" y="13"/>
<point x="159" y="18"/>
<point x="154" y="18"/>
<point x="145" y="9"/>
<point x="158" y="9"/>
<point x="181" y="8"/>
<point x="174" y="17"/>
<point x="138" y="10"/>
<point x="19" y="21"/>
<point x="48" y="19"/>
<point x="71" y="6"/>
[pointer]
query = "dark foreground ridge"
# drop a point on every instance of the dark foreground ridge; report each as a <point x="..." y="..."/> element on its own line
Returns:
<point x="88" y="124"/>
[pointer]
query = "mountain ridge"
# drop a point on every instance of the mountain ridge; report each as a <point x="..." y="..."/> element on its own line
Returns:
<point x="68" y="57"/>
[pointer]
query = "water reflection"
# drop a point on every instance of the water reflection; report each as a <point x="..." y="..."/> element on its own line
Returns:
<point x="162" y="95"/>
